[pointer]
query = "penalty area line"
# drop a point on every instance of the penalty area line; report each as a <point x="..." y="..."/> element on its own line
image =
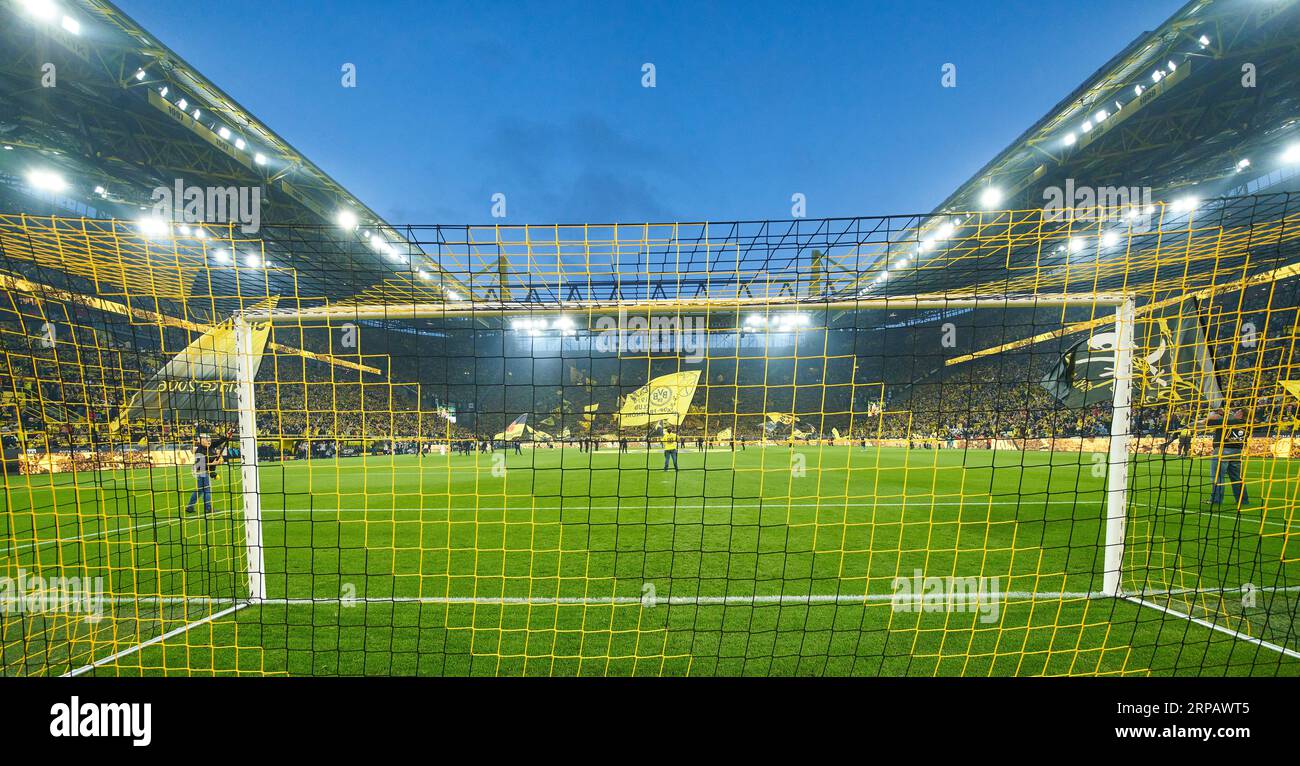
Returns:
<point x="1215" y="627"/>
<point x="157" y="639"/>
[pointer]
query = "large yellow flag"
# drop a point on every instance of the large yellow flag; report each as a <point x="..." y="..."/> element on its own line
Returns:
<point x="667" y="397"/>
<point x="199" y="382"/>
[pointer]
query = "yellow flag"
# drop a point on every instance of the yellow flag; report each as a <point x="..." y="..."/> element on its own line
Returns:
<point x="666" y="398"/>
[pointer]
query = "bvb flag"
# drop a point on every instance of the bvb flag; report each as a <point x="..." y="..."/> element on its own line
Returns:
<point x="666" y="398"/>
<point x="1085" y="373"/>
<point x="199" y="382"/>
<point x="1177" y="365"/>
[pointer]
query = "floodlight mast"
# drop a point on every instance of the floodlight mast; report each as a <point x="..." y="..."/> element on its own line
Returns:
<point x="1117" y="464"/>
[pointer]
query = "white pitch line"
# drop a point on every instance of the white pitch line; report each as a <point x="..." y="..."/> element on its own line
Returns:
<point x="156" y="639"/>
<point x="1212" y="626"/>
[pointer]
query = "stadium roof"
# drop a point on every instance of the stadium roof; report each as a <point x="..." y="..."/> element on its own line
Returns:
<point x="1204" y="106"/>
<point x="109" y="114"/>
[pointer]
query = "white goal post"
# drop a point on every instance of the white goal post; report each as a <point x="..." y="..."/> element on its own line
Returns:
<point x="1120" y="430"/>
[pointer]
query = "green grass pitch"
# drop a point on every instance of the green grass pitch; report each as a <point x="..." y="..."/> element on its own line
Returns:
<point x="766" y="561"/>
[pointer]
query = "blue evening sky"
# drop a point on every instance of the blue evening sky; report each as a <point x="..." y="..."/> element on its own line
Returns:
<point x="542" y="101"/>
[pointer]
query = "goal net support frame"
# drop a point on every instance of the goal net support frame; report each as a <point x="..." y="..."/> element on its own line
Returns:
<point x="1117" y="464"/>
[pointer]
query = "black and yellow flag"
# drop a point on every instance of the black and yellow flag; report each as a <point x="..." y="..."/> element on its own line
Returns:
<point x="1175" y="363"/>
<point x="1085" y="373"/>
<point x="199" y="382"/>
<point x="666" y="398"/>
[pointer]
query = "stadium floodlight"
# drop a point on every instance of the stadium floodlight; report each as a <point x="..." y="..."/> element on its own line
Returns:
<point x="196" y="113"/>
<point x="253" y="261"/>
<point x="47" y="181"/>
<point x="45" y="10"/>
<point x="1110" y="239"/>
<point x="1137" y="89"/>
<point x="1291" y="154"/>
<point x="224" y="132"/>
<point x="200" y="232"/>
<point x="1086" y="126"/>
<point x="1157" y="75"/>
<point x="1185" y="204"/>
<point x="422" y="274"/>
<point x="71" y="25"/>
<point x="221" y="255"/>
<point x="1070" y="138"/>
<point x="1204" y="41"/>
<point x="346" y="219"/>
<point x="152" y="226"/>
<point x="1242" y="164"/>
<point x="139" y="74"/>
<point x="184" y="230"/>
<point x="163" y="91"/>
<point x="1101" y="116"/>
<point x="1077" y="243"/>
<point x="239" y="144"/>
<point x="182" y="105"/>
<point x="453" y="295"/>
<point x="1172" y="66"/>
<point x="101" y="191"/>
<point x="259" y="158"/>
<point x="990" y="197"/>
<point x="565" y="325"/>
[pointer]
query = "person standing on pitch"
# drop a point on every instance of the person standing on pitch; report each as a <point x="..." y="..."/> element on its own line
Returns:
<point x="670" y="447"/>
<point x="1229" y="444"/>
<point x="208" y="453"/>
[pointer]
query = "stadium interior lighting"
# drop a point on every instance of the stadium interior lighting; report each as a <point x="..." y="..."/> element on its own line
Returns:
<point x="990" y="197"/>
<point x="1185" y="204"/>
<point x="259" y="158"/>
<point x="531" y="326"/>
<point x="1101" y="116"/>
<point x="200" y="233"/>
<point x="221" y="255"/>
<point x="101" y="191"/>
<point x="45" y="10"/>
<point x="71" y="25"/>
<point x="139" y="74"/>
<point x="253" y="261"/>
<point x="1110" y="239"/>
<point x="1070" y="138"/>
<point x="47" y="181"/>
<point x="151" y="226"/>
<point x="239" y="144"/>
<point x="346" y="219"/>
<point x="1204" y="41"/>
<point x="452" y="295"/>
<point x="422" y="274"/>
<point x="224" y="132"/>
<point x="182" y="105"/>
<point x="163" y="91"/>
<point x="1242" y="164"/>
<point x="564" y="324"/>
<point x="1291" y="154"/>
<point x="184" y="230"/>
<point x="1156" y="75"/>
<point x="1137" y="89"/>
<point x="1086" y="126"/>
<point x="1077" y="244"/>
<point x="196" y="114"/>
